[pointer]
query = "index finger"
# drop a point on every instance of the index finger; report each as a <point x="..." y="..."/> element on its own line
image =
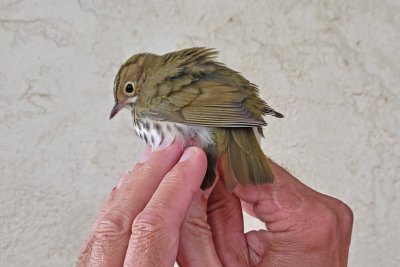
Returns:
<point x="155" y="231"/>
<point x="177" y="189"/>
<point x="110" y="234"/>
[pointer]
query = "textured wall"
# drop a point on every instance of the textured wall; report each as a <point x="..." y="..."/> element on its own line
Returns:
<point x="332" y="67"/>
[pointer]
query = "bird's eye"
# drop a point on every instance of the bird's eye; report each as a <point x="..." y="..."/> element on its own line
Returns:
<point x="129" y="88"/>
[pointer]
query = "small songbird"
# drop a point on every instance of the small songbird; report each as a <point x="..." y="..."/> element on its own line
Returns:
<point x="187" y="95"/>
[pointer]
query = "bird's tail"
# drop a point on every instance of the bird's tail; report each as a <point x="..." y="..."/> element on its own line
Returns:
<point x="241" y="159"/>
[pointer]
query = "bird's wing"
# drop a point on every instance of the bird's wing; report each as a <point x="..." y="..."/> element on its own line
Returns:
<point x="189" y="86"/>
<point x="201" y="102"/>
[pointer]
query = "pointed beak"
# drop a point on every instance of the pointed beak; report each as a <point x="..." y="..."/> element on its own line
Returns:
<point x="117" y="107"/>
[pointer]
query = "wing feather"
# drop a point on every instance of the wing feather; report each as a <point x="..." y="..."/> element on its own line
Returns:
<point x="204" y="103"/>
<point x="189" y="86"/>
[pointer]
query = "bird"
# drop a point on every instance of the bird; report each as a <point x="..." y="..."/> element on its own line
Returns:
<point x="189" y="96"/>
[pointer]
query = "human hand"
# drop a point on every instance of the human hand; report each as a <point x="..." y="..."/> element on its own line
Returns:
<point x="305" y="228"/>
<point x="140" y="222"/>
<point x="149" y="220"/>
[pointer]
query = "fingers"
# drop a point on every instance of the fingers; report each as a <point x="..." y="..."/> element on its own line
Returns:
<point x="155" y="231"/>
<point x="274" y="203"/>
<point x="136" y="190"/>
<point x="226" y="221"/>
<point x="179" y="186"/>
<point x="283" y="204"/>
<point x="304" y="226"/>
<point x="258" y="244"/>
<point x="196" y="246"/>
<point x="109" y="237"/>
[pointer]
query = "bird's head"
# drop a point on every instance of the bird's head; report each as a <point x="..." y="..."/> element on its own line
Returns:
<point x="128" y="82"/>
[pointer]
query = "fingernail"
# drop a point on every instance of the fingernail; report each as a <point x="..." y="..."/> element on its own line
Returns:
<point x="122" y="180"/>
<point x="189" y="152"/>
<point x="146" y="155"/>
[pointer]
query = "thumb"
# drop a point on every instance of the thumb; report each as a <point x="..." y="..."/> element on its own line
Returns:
<point x="155" y="231"/>
<point x="274" y="203"/>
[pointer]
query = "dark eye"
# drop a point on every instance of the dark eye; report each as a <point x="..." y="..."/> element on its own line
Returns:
<point x="129" y="88"/>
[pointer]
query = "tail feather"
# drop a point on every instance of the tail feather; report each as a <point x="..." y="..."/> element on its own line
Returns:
<point x="212" y="161"/>
<point x="241" y="159"/>
<point x="247" y="161"/>
<point x="238" y="161"/>
<point x="227" y="172"/>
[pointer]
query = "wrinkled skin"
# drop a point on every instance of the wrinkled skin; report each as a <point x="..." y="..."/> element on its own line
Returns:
<point x="157" y="215"/>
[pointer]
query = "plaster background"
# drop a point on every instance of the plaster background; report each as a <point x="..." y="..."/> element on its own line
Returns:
<point x="332" y="67"/>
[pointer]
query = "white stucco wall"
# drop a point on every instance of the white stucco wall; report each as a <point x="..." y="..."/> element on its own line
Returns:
<point x="332" y="67"/>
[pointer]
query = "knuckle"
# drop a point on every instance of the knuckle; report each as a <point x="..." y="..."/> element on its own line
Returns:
<point x="322" y="225"/>
<point x="111" y="226"/>
<point x="333" y="221"/>
<point x="198" y="221"/>
<point x="328" y="217"/>
<point x="150" y="226"/>
<point x="342" y="211"/>
<point x="149" y="220"/>
<point x="86" y="251"/>
<point x="108" y="234"/>
<point x="345" y="213"/>
<point x="220" y="209"/>
<point x="197" y="226"/>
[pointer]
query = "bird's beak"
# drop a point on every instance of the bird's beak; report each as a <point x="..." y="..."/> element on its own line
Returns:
<point x="117" y="107"/>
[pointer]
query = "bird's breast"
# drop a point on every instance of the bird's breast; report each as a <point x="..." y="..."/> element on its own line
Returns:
<point x="160" y="134"/>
